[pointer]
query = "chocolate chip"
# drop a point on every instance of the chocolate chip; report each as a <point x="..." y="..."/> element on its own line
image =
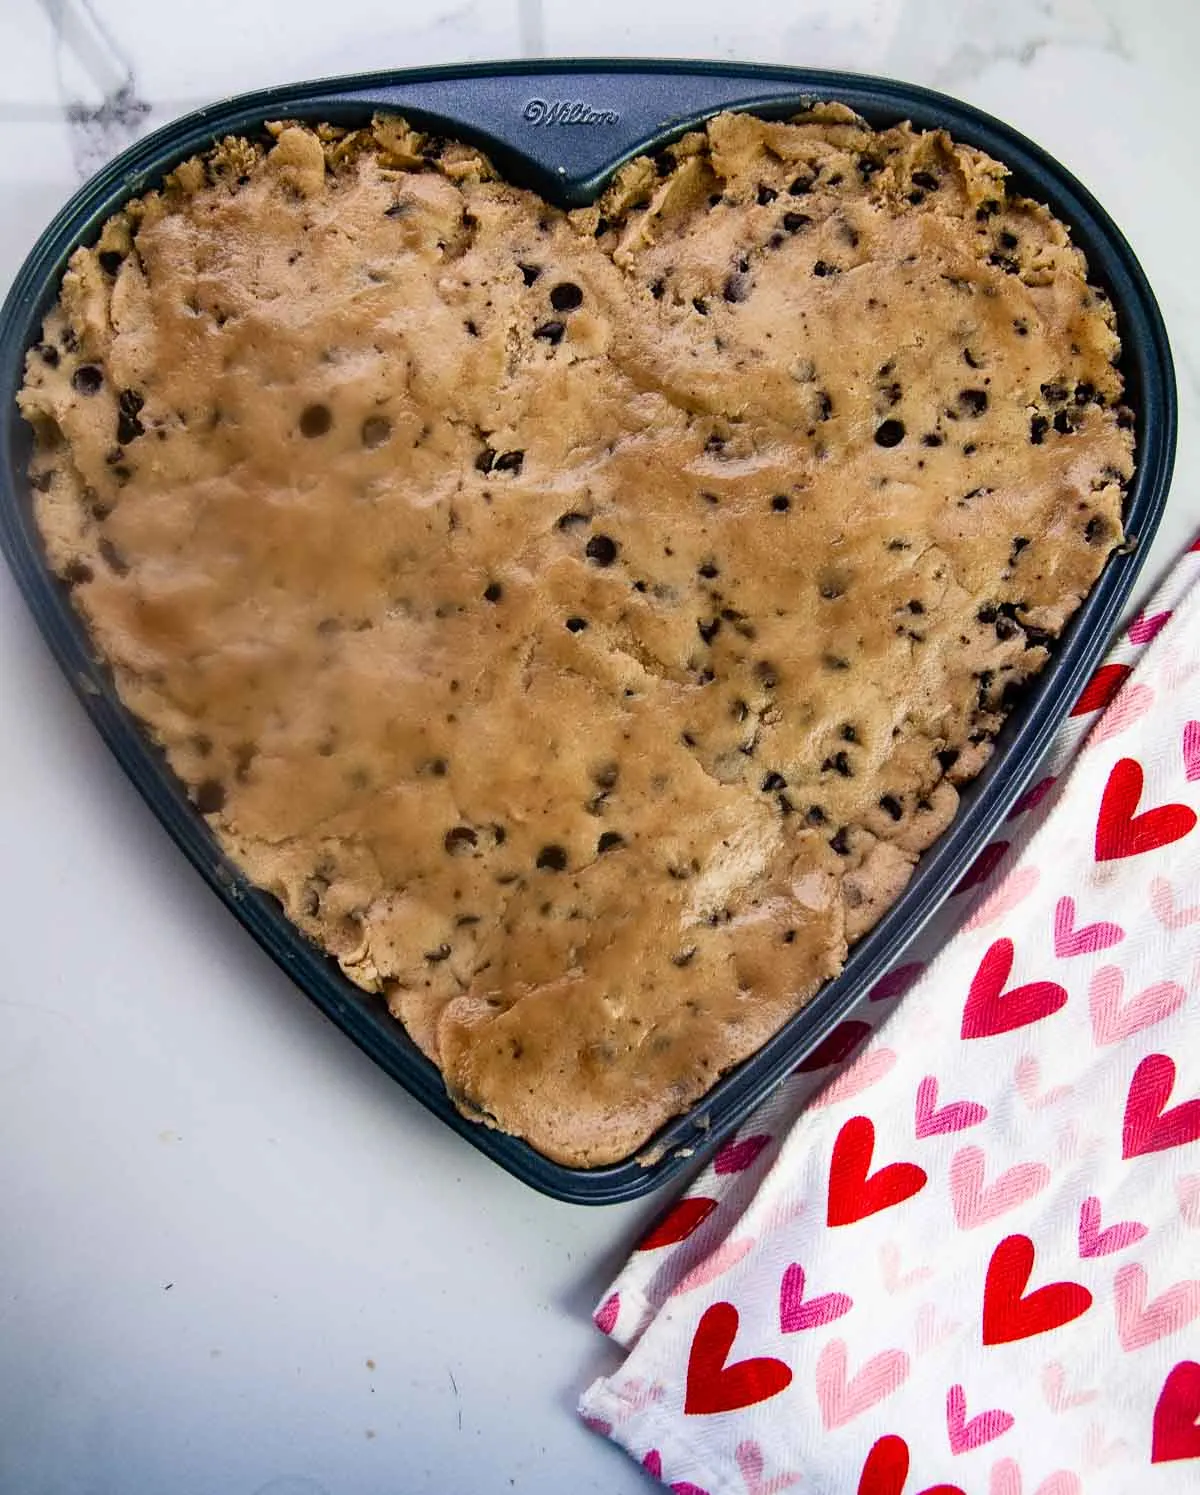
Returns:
<point x="848" y="732"/>
<point x="801" y="186"/>
<point x="129" y="427"/>
<point x="76" y="573"/>
<point x="110" y="260"/>
<point x="1055" y="393"/>
<point x="835" y="662"/>
<point x="48" y="353"/>
<point x="840" y="764"/>
<point x="1095" y="529"/>
<point x="566" y="296"/>
<point x="794" y="222"/>
<point x="315" y="420"/>
<point x="87" y="379"/>
<point x="460" y="840"/>
<point x="890" y="433"/>
<point x="891" y="394"/>
<point x="772" y="782"/>
<point x="551" y="332"/>
<point x="736" y="288"/>
<point x="701" y="305"/>
<point x="708" y="570"/>
<point x="767" y="674"/>
<point x="781" y="503"/>
<point x="1063" y="423"/>
<point x="509" y="462"/>
<point x="441" y="953"/>
<point x="113" y="557"/>
<point x="1038" y="427"/>
<point x="529" y="273"/>
<point x="1004" y="262"/>
<point x="376" y="429"/>
<point x="972" y="402"/>
<point x="890" y="805"/>
<point x="931" y="438"/>
<point x="601" y="550"/>
<point x="609" y="841"/>
<point x="815" y="815"/>
<point x="1085" y="393"/>
<point x="1008" y="240"/>
<point x="915" y="605"/>
<point x="840" y="843"/>
<point x="483" y="463"/>
<point x="925" y="179"/>
<point x="708" y="630"/>
<point x="576" y="625"/>
<point x="823" y="267"/>
<point x="606" y="776"/>
<point x="766" y="194"/>
<point x="493" y="592"/>
<point x="657" y="288"/>
<point x="210" y="796"/>
<point x="987" y="210"/>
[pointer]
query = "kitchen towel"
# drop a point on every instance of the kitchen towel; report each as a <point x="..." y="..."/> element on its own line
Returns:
<point x="972" y="1264"/>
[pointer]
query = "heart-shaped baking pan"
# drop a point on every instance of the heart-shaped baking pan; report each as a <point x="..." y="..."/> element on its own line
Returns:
<point x="562" y="129"/>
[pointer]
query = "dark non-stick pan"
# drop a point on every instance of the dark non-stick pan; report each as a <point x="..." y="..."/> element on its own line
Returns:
<point x="562" y="128"/>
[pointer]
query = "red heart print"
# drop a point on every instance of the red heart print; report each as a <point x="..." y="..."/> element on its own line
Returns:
<point x="965" y="1435"/>
<point x="713" y="1386"/>
<point x="1112" y="1022"/>
<point x="1177" y="1416"/>
<point x="1032" y="798"/>
<point x="1101" y="688"/>
<point x="896" y="982"/>
<point x="1191" y="751"/>
<point x="1148" y="1128"/>
<point x="678" y="1223"/>
<point x="982" y="867"/>
<point x="1162" y="905"/>
<point x="991" y="1010"/>
<point x="1142" y="628"/>
<point x="1140" y="1323"/>
<point x="1121" y="831"/>
<point x="886" y="1470"/>
<point x="738" y="1155"/>
<point x="1009" y="1313"/>
<point x="605" y="1317"/>
<point x="1096" y="1242"/>
<point x="954" y="1116"/>
<point x="1084" y="939"/>
<point x="835" y="1047"/>
<point x="854" y="1191"/>
<point x="795" y="1314"/>
<point x="976" y="1205"/>
<point x="843" y="1398"/>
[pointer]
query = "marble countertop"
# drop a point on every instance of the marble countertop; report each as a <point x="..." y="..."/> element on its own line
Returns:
<point x="234" y="1257"/>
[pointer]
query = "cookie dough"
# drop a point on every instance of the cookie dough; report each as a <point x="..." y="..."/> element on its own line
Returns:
<point x="580" y="621"/>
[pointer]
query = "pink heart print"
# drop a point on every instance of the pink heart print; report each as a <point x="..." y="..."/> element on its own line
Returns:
<point x="1140" y="1323"/>
<point x="1006" y="1480"/>
<point x="895" y="1280"/>
<point x="1133" y="702"/>
<point x="1191" y="751"/>
<point x="1142" y="628"/>
<point x="652" y="1464"/>
<point x="1084" y="939"/>
<point x="797" y="1314"/>
<point x="1187" y="1190"/>
<point x="1015" y="888"/>
<point x="862" y="1074"/>
<point x="930" y="1331"/>
<point x="1096" y="1242"/>
<point x="1028" y="1078"/>
<point x="750" y="1465"/>
<point x="954" y="1116"/>
<point x="982" y="1428"/>
<point x="842" y="1400"/>
<point x="1054" y="1389"/>
<point x="605" y="1317"/>
<point x="974" y="1204"/>
<point x="727" y="1255"/>
<point x="1112" y="1022"/>
<point x="1162" y="905"/>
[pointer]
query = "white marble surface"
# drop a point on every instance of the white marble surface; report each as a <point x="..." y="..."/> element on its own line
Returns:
<point x="233" y="1257"/>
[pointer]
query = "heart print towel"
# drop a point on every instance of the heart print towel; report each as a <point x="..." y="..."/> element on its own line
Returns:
<point x="970" y="1265"/>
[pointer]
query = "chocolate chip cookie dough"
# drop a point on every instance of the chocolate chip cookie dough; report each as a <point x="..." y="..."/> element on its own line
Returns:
<point x="580" y="621"/>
